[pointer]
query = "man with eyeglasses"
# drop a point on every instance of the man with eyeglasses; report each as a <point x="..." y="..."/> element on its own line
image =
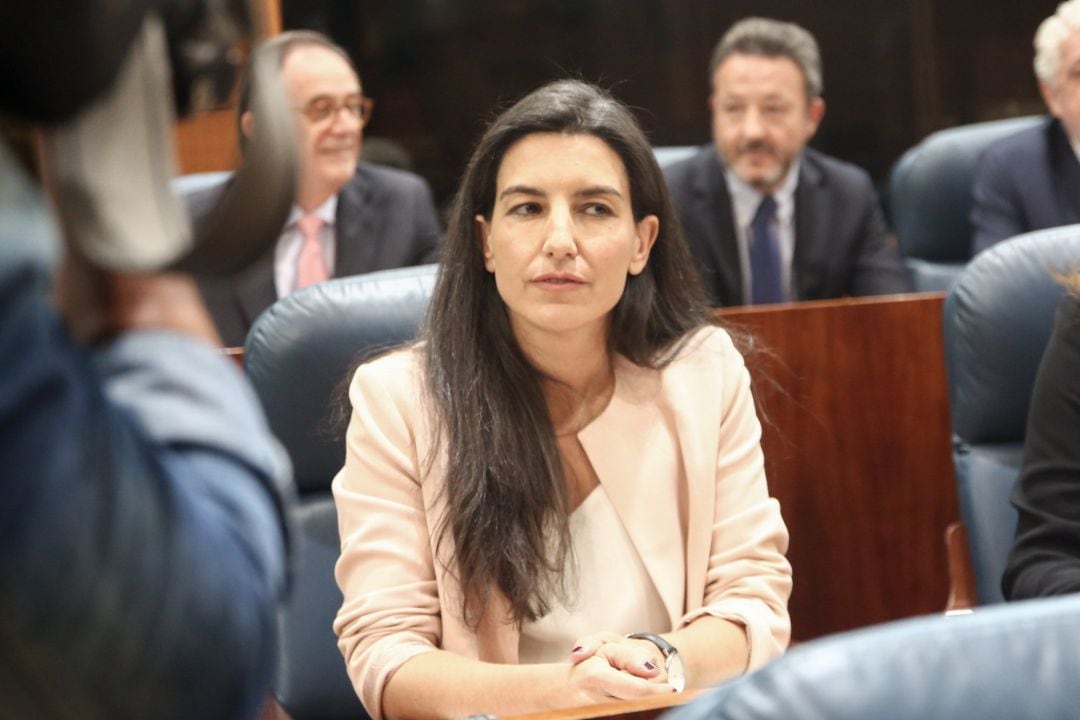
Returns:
<point x="348" y="217"/>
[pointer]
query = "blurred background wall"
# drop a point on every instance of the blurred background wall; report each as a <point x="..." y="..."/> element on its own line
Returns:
<point x="894" y="69"/>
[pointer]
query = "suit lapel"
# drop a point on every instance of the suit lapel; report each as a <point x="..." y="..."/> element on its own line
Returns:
<point x="714" y="201"/>
<point x="1066" y="172"/>
<point x="813" y="214"/>
<point x="634" y="453"/>
<point x="355" y="226"/>
<point x="256" y="291"/>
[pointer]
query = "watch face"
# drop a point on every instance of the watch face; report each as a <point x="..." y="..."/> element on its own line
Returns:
<point x="676" y="676"/>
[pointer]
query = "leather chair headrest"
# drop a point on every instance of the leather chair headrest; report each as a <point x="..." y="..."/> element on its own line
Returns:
<point x="299" y="354"/>
<point x="930" y="189"/>
<point x="997" y="320"/>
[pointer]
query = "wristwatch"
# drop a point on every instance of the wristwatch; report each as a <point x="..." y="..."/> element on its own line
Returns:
<point x="676" y="674"/>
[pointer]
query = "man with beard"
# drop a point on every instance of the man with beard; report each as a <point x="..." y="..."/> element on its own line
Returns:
<point x="346" y="218"/>
<point x="768" y="219"/>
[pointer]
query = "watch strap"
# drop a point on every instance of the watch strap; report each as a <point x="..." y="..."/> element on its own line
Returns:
<point x="665" y="647"/>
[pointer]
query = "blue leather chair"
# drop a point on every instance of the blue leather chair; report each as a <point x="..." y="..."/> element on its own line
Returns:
<point x="930" y="200"/>
<point x="997" y="320"/>
<point x="668" y="154"/>
<point x="298" y="356"/>
<point x="1003" y="663"/>
<point x="186" y="185"/>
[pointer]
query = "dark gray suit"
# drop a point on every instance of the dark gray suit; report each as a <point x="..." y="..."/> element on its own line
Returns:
<point x="1028" y="181"/>
<point x="842" y="246"/>
<point x="385" y="219"/>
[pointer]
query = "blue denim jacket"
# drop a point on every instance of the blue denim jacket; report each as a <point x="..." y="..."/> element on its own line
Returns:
<point x="142" y="497"/>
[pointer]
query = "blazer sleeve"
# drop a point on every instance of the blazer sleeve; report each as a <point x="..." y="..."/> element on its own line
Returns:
<point x="878" y="268"/>
<point x="1045" y="559"/>
<point x="391" y="608"/>
<point x="996" y="213"/>
<point x="748" y="579"/>
<point x="429" y="234"/>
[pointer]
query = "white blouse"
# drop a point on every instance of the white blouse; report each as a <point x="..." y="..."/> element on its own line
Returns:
<point x="608" y="586"/>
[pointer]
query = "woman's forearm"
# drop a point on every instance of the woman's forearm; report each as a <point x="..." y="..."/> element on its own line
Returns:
<point x="712" y="649"/>
<point x="440" y="684"/>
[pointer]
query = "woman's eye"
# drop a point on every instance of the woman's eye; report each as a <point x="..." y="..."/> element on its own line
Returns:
<point x="525" y="209"/>
<point x="597" y="209"/>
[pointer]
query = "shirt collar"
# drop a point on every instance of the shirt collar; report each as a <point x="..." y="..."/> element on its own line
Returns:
<point x="326" y="212"/>
<point x="745" y="198"/>
<point x="1074" y="143"/>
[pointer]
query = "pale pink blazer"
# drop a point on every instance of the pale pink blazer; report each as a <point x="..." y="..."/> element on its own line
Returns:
<point x="712" y="541"/>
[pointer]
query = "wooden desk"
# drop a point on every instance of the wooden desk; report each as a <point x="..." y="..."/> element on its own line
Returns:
<point x="856" y="441"/>
<point x="646" y="709"/>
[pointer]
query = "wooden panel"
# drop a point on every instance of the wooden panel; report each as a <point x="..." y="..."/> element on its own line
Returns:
<point x="269" y="13"/>
<point x="207" y="142"/>
<point x="645" y="709"/>
<point x="856" y="442"/>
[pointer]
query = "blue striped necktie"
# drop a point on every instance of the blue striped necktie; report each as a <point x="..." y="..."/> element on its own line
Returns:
<point x="765" y="282"/>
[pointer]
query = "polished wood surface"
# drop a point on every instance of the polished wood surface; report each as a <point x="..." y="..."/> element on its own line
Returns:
<point x="236" y="354"/>
<point x="645" y="709"/>
<point x="962" y="593"/>
<point x="206" y="142"/>
<point x="856" y="441"/>
<point x="272" y="710"/>
<point x="269" y="14"/>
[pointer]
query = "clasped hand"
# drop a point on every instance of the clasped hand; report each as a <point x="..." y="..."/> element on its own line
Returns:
<point x="606" y="666"/>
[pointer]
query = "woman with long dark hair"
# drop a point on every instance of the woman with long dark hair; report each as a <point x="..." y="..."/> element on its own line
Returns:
<point x="567" y="457"/>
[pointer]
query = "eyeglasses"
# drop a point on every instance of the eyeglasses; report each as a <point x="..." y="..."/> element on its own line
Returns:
<point x="322" y="108"/>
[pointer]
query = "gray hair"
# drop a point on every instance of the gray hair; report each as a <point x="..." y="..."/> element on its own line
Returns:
<point x="1048" y="38"/>
<point x="773" y="38"/>
<point x="279" y="46"/>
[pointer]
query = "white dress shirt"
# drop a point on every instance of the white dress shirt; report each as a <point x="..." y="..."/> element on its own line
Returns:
<point x="1075" y="143"/>
<point x="609" y="587"/>
<point x="287" y="251"/>
<point x="744" y="203"/>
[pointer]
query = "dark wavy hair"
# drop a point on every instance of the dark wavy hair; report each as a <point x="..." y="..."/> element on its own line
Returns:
<point x="505" y="490"/>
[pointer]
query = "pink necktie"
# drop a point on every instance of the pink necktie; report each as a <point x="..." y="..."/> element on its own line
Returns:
<point x="310" y="268"/>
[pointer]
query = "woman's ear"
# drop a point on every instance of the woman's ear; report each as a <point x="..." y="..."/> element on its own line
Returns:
<point x="645" y="233"/>
<point x="483" y="235"/>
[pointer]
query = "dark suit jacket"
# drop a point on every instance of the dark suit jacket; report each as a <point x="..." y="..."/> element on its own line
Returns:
<point x="1028" y="181"/>
<point x="1045" y="559"/>
<point x="385" y="219"/>
<point x="842" y="246"/>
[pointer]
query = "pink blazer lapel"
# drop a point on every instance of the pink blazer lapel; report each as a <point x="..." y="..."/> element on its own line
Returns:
<point x="633" y="452"/>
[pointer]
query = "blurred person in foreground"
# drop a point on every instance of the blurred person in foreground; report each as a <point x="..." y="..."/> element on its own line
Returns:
<point x="1031" y="180"/>
<point x="556" y="496"/>
<point x="141" y="499"/>
<point x="348" y="218"/>
<point x="768" y="219"/>
<point x="1045" y="557"/>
